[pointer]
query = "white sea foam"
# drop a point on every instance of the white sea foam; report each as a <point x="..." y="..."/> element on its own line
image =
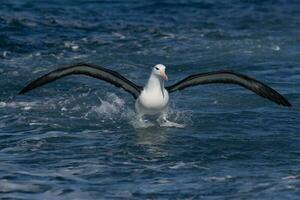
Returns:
<point x="72" y="45"/>
<point x="290" y="177"/>
<point x="171" y="124"/>
<point x="139" y="123"/>
<point x="9" y="186"/>
<point x="275" y="47"/>
<point x="23" y="105"/>
<point x="145" y="123"/>
<point x="178" y="165"/>
<point x="219" y="178"/>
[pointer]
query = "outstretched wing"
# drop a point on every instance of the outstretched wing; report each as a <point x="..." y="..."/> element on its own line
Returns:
<point x="229" y="77"/>
<point x="89" y="70"/>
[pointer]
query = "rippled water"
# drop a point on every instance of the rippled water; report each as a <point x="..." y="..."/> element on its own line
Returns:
<point x="75" y="138"/>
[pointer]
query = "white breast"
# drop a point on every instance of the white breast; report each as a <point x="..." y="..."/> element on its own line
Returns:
<point x="152" y="101"/>
<point x="154" y="98"/>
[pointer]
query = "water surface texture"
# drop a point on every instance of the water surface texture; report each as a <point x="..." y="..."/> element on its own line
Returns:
<point x="75" y="138"/>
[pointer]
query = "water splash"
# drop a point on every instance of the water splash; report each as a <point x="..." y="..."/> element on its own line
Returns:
<point x="174" y="119"/>
<point x="111" y="107"/>
<point x="139" y="123"/>
<point x="115" y="109"/>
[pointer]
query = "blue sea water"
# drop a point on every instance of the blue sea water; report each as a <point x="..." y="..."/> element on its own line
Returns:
<point x="75" y="138"/>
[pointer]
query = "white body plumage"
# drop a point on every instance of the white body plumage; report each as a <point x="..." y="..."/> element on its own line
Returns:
<point x="154" y="98"/>
<point x="152" y="102"/>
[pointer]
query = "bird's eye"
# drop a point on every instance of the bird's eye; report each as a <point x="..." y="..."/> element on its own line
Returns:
<point x="156" y="68"/>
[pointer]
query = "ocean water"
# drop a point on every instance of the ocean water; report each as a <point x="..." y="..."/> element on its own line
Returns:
<point x="75" y="138"/>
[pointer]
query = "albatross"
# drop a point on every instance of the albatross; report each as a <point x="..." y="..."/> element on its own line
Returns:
<point x="153" y="98"/>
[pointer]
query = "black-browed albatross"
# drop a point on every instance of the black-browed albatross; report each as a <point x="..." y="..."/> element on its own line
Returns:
<point x="154" y="97"/>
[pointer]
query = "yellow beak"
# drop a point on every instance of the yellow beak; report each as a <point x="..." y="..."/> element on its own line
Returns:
<point x="164" y="75"/>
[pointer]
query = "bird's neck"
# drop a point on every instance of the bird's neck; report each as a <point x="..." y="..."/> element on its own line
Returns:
<point x="154" y="83"/>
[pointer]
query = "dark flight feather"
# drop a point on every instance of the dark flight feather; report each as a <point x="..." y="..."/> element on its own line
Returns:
<point x="89" y="70"/>
<point x="229" y="77"/>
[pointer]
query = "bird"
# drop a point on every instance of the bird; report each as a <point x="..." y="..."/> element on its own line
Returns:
<point x="153" y="98"/>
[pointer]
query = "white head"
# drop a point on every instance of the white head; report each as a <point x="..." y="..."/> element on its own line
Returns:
<point x="160" y="71"/>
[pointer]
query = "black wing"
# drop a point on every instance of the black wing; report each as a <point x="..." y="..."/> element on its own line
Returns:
<point x="229" y="77"/>
<point x="89" y="70"/>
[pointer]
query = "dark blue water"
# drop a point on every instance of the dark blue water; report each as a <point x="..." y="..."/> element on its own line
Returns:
<point x="74" y="139"/>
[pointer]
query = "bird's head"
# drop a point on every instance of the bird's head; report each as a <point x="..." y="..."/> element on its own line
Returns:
<point x="160" y="71"/>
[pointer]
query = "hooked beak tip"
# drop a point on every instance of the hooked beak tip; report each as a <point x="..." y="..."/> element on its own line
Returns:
<point x="164" y="75"/>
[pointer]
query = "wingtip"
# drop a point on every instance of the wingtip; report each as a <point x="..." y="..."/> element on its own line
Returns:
<point x="283" y="102"/>
<point x="287" y="104"/>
